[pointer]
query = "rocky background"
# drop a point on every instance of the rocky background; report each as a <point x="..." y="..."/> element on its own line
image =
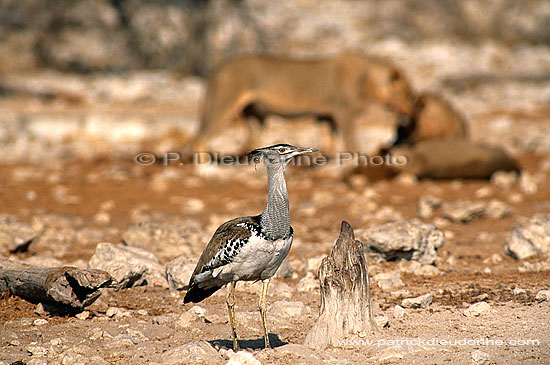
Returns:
<point x="78" y="78"/>
<point x="85" y="85"/>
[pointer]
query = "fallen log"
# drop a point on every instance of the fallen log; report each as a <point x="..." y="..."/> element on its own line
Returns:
<point x="346" y="309"/>
<point x="65" y="288"/>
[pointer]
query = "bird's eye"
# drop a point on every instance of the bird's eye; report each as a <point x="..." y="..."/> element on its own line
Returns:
<point x="282" y="150"/>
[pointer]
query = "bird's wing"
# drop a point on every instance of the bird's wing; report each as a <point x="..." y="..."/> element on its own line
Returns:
<point x="226" y="243"/>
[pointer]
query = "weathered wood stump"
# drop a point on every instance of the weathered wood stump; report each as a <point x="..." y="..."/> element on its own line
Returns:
<point x="67" y="289"/>
<point x="346" y="307"/>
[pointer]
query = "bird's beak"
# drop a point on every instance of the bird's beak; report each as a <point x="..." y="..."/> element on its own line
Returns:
<point x="303" y="150"/>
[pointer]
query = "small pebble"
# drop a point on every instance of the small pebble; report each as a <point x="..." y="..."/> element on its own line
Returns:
<point x="39" y="322"/>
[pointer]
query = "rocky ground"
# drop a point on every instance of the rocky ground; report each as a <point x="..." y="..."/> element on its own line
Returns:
<point x="86" y="86"/>
<point x="477" y="291"/>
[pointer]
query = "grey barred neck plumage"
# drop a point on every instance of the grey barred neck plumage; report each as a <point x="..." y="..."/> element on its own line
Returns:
<point x="250" y="248"/>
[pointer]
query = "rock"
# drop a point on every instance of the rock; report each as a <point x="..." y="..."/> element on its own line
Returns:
<point x="480" y="358"/>
<point x="494" y="259"/>
<point x="196" y="352"/>
<point x="416" y="268"/>
<point x="399" y="312"/>
<point x="527" y="184"/>
<point x="483" y="192"/>
<point x="39" y="322"/>
<point x="43" y="261"/>
<point x="37" y="350"/>
<point x="535" y="267"/>
<point x="382" y="321"/>
<point x="426" y="206"/>
<point x="279" y="289"/>
<point x="388" y="281"/>
<point x="14" y="235"/>
<point x="179" y="271"/>
<point x="403" y="240"/>
<point x="497" y="209"/>
<point x="114" y="312"/>
<point x="406" y="179"/>
<point x="543" y="295"/>
<point x="308" y="283"/>
<point x="285" y="271"/>
<point x="83" y="315"/>
<point x="167" y="239"/>
<point x="422" y="301"/>
<point x="189" y="318"/>
<point x="463" y="211"/>
<point x="285" y="309"/>
<point x="242" y="358"/>
<point x="530" y="238"/>
<point x="477" y="309"/>
<point x="313" y="264"/>
<point x="301" y="354"/>
<point x="519" y="291"/>
<point x="401" y="293"/>
<point x="129" y="266"/>
<point x="164" y="319"/>
<point x="504" y="180"/>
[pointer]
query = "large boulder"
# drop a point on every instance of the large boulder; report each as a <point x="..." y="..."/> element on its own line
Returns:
<point x="403" y="240"/>
<point x="531" y="238"/>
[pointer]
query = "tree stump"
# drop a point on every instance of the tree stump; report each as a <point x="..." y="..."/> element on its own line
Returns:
<point x="346" y="307"/>
<point x="67" y="289"/>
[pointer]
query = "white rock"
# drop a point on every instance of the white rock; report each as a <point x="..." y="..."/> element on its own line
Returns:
<point x="196" y="352"/>
<point x="129" y="266"/>
<point x="530" y="238"/>
<point x="37" y="350"/>
<point x="388" y="281"/>
<point x="382" y="321"/>
<point x="497" y="209"/>
<point x="308" y="283"/>
<point x="527" y="183"/>
<point x="282" y="308"/>
<point x="39" y="322"/>
<point x="114" y="312"/>
<point x="422" y="301"/>
<point x="504" y="180"/>
<point x="402" y="293"/>
<point x="414" y="241"/>
<point x="543" y="295"/>
<point x="416" y="268"/>
<point x="480" y="358"/>
<point x="519" y="291"/>
<point x="463" y="211"/>
<point x="483" y="192"/>
<point x="494" y="259"/>
<point x="242" y="358"/>
<point x="477" y="309"/>
<point x="179" y="271"/>
<point x="426" y="205"/>
<point x="314" y="263"/>
<point x="399" y="312"/>
<point x="83" y="315"/>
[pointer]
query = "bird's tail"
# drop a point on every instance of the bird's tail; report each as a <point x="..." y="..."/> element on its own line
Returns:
<point x="196" y="294"/>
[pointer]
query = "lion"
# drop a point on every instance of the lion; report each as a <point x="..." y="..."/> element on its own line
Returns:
<point x="433" y="118"/>
<point x="332" y="90"/>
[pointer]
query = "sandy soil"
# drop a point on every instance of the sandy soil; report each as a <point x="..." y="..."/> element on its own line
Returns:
<point x="319" y="202"/>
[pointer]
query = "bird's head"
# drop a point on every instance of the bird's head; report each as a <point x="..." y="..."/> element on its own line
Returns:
<point x="278" y="154"/>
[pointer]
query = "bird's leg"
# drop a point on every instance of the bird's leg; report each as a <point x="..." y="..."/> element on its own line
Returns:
<point x="230" y="300"/>
<point x="262" y="307"/>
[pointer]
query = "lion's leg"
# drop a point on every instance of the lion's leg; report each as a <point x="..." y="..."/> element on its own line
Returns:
<point x="346" y="125"/>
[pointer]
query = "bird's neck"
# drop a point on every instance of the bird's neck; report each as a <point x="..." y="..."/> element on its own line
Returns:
<point x="275" y="219"/>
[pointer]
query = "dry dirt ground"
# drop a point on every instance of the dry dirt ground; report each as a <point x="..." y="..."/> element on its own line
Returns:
<point x="149" y="322"/>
